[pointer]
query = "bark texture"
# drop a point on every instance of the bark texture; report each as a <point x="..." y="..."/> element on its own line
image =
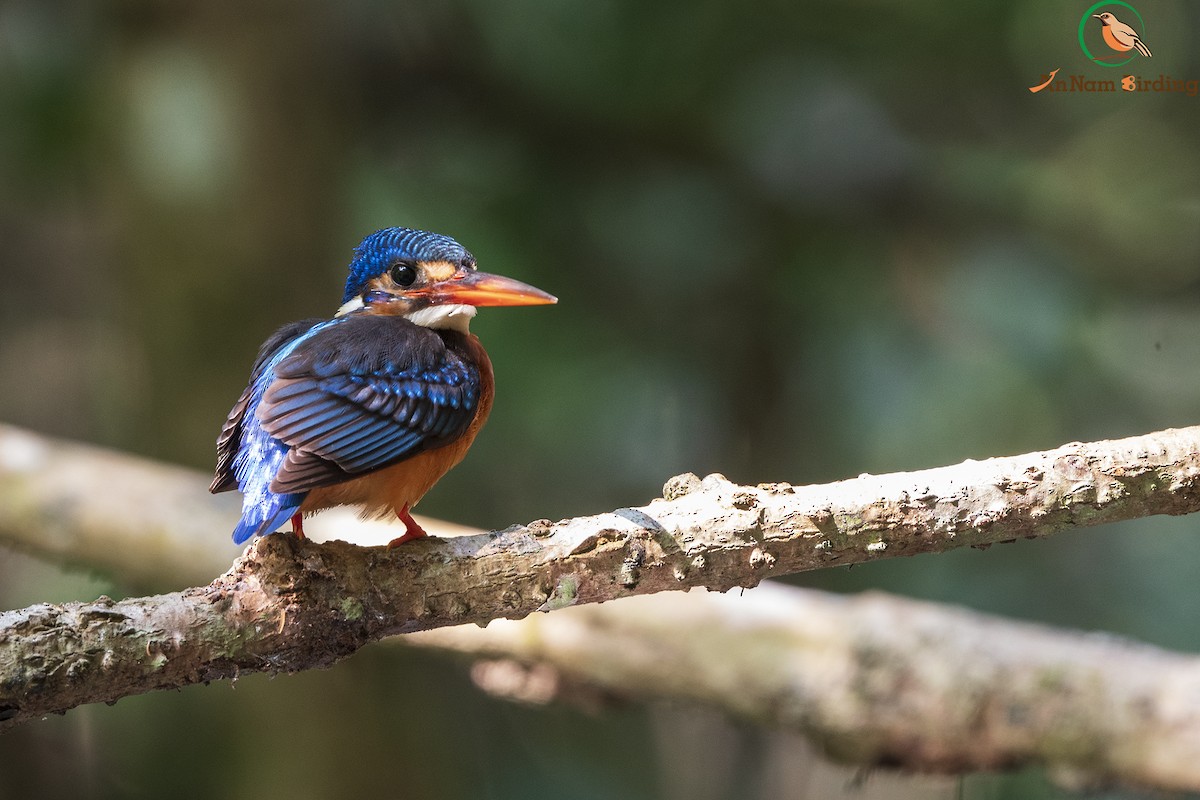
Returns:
<point x="91" y="505"/>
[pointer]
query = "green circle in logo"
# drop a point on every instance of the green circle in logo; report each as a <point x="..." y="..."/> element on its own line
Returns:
<point x="1088" y="15"/>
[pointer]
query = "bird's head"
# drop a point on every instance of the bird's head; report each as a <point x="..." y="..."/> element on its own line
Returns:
<point x="1105" y="18"/>
<point x="427" y="278"/>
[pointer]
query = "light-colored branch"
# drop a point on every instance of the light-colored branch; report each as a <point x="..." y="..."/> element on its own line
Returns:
<point x="872" y="679"/>
<point x="84" y="504"/>
<point x="291" y="605"/>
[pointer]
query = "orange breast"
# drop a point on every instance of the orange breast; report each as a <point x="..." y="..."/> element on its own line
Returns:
<point x="1111" y="41"/>
<point x="386" y="491"/>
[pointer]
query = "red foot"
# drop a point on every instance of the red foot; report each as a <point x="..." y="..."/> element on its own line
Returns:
<point x="298" y="525"/>
<point x="414" y="531"/>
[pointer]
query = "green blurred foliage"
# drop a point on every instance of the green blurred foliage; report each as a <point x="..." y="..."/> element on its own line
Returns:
<point x="791" y="242"/>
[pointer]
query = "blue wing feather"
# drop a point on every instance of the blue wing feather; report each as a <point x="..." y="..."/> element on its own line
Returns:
<point x="230" y="439"/>
<point x="260" y="454"/>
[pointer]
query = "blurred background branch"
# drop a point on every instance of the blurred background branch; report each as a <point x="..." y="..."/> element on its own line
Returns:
<point x="871" y="680"/>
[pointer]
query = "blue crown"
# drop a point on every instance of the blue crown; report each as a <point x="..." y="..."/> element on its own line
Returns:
<point x="376" y="253"/>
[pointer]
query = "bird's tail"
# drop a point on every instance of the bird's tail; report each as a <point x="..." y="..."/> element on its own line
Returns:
<point x="1141" y="48"/>
<point x="257" y="521"/>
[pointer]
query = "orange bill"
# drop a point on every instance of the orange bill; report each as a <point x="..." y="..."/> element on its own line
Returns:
<point x="484" y="289"/>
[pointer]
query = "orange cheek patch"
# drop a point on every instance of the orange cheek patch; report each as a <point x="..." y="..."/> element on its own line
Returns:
<point x="383" y="283"/>
<point x="435" y="271"/>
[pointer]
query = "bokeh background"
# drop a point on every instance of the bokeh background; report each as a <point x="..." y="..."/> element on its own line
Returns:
<point x="791" y="242"/>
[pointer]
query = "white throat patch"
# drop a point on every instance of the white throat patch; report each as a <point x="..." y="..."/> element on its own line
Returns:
<point x="456" y="317"/>
<point x="350" y="305"/>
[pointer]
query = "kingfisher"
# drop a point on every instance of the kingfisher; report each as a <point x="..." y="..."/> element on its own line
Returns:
<point x="372" y="407"/>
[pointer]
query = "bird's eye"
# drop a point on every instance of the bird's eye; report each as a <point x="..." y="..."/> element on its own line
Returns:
<point x="404" y="274"/>
<point x="467" y="263"/>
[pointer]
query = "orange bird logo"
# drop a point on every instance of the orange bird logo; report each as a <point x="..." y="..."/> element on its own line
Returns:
<point x="1119" y="36"/>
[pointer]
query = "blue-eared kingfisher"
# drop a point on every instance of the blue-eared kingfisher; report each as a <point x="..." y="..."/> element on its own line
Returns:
<point x="374" y="406"/>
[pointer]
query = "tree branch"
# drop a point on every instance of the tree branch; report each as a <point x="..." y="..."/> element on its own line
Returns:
<point x="290" y="605"/>
<point x="76" y="503"/>
<point x="872" y="679"/>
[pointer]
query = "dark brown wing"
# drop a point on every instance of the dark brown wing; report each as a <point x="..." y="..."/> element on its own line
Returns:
<point x="365" y="393"/>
